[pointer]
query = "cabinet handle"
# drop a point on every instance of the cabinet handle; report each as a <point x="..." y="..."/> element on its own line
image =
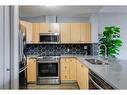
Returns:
<point x="65" y="67"/>
<point x="81" y="65"/>
<point x="65" y="76"/>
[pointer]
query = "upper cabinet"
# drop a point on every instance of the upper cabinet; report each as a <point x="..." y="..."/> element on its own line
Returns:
<point x="75" y="32"/>
<point x="49" y="27"/>
<point x="65" y="32"/>
<point x="28" y="29"/>
<point x="69" y="32"/>
<point x="44" y="27"/>
<point x="54" y="27"/>
<point x="35" y="34"/>
<point x="85" y="33"/>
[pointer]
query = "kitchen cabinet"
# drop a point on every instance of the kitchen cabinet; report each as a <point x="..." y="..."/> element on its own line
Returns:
<point x="69" y="32"/>
<point x="65" y="32"/>
<point x="73" y="69"/>
<point x="75" y="32"/>
<point x="85" y="33"/>
<point x="35" y="34"/>
<point x="68" y="69"/>
<point x="49" y="27"/>
<point x="44" y="27"/>
<point x="64" y="63"/>
<point x="28" y="30"/>
<point x="72" y="66"/>
<point x="82" y="76"/>
<point x="54" y="27"/>
<point x="85" y="78"/>
<point x="31" y="71"/>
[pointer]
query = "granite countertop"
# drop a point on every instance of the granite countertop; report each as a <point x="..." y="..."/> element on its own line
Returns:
<point x="115" y="73"/>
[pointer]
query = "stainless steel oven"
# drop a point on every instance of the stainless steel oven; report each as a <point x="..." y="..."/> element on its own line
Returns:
<point x="49" y="37"/>
<point x="96" y="82"/>
<point x="48" y="70"/>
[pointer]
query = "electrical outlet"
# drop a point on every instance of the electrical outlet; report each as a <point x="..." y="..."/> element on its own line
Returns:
<point x="68" y="50"/>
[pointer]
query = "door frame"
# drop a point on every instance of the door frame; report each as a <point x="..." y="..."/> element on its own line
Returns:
<point x="1" y="47"/>
<point x="14" y="43"/>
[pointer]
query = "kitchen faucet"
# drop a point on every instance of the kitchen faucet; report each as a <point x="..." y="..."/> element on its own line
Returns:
<point x="105" y="49"/>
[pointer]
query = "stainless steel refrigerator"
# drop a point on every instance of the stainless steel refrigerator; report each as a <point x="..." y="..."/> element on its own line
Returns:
<point x="22" y="60"/>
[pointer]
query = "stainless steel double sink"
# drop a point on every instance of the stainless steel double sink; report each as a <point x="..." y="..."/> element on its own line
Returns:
<point x="96" y="62"/>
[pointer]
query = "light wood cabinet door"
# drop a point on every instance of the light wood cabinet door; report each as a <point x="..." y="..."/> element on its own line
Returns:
<point x="65" y="65"/>
<point x="36" y="30"/>
<point x="85" y="33"/>
<point x="72" y="66"/>
<point x="84" y="78"/>
<point x="44" y="27"/>
<point x="65" y="32"/>
<point x="31" y="71"/>
<point x="64" y="69"/>
<point x="68" y="69"/>
<point x="64" y="75"/>
<point x="75" y="32"/>
<point x="79" y="73"/>
<point x="54" y="27"/>
<point x="28" y="30"/>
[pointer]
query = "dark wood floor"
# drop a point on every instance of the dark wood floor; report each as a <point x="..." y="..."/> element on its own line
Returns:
<point x="62" y="86"/>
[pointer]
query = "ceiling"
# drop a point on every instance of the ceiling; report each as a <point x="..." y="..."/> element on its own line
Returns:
<point x="69" y="11"/>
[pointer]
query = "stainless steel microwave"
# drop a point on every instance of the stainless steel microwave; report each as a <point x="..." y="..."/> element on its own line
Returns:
<point x="49" y="37"/>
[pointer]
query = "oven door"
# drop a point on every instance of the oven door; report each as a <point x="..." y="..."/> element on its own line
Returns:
<point x="50" y="69"/>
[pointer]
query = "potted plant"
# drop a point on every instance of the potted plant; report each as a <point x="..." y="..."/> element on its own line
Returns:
<point x="111" y="39"/>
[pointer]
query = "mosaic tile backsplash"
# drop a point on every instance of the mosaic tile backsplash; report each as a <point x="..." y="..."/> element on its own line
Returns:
<point x="94" y="49"/>
<point x="57" y="49"/>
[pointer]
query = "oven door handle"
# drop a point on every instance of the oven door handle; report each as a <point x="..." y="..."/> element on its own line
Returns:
<point x="95" y="83"/>
<point x="47" y="62"/>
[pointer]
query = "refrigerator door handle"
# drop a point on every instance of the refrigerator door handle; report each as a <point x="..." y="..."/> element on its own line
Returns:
<point x="8" y="69"/>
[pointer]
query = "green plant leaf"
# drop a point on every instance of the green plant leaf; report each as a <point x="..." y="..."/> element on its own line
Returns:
<point x="112" y="44"/>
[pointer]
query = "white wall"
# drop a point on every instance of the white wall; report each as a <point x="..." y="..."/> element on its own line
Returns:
<point x="59" y="19"/>
<point x="4" y="47"/>
<point x="1" y="48"/>
<point x="73" y="19"/>
<point x="110" y="19"/>
<point x="94" y="28"/>
<point x="34" y="19"/>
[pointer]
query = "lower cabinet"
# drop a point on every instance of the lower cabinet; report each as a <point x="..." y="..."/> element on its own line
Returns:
<point x="68" y="68"/>
<point x="73" y="69"/>
<point x="82" y="76"/>
<point x="31" y="71"/>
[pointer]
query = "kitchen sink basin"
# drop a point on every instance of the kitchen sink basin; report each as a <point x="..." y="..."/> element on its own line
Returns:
<point x="96" y="62"/>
